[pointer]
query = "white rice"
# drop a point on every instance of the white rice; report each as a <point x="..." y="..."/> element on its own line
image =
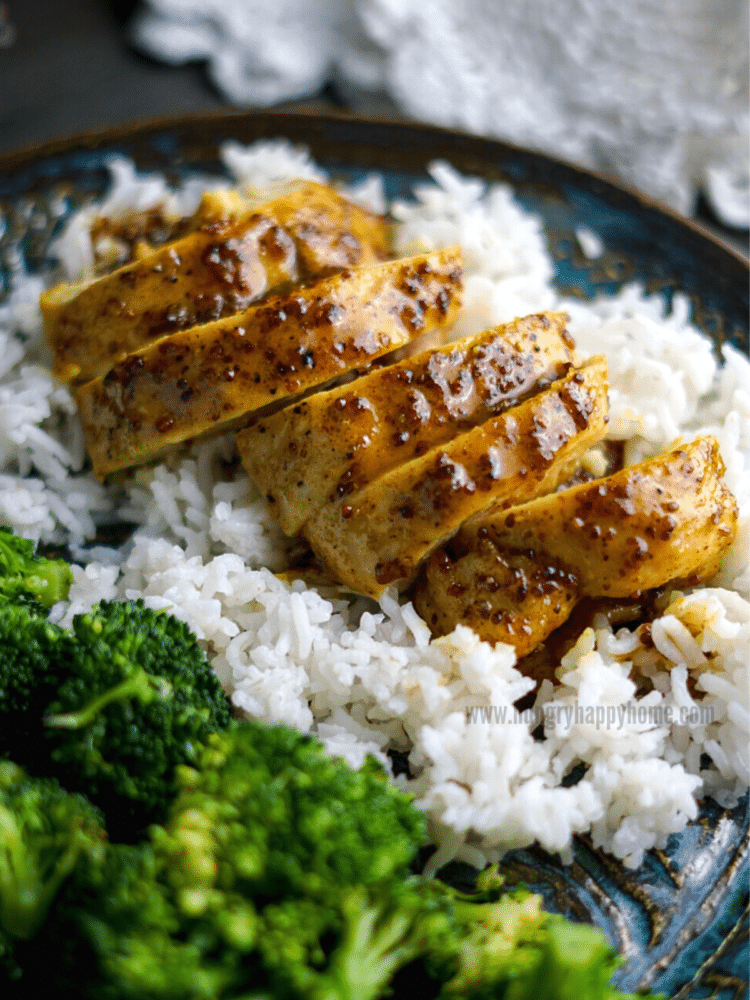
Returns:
<point x="369" y="679"/>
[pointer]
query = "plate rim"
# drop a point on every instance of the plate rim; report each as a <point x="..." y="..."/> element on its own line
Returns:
<point x="90" y="140"/>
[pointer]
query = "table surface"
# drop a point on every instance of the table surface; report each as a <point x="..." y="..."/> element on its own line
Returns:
<point x="66" y="67"/>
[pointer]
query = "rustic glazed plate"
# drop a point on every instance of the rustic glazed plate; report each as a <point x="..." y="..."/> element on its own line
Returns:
<point x="681" y="920"/>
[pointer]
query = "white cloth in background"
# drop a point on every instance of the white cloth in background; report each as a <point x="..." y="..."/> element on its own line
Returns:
<point x="655" y="91"/>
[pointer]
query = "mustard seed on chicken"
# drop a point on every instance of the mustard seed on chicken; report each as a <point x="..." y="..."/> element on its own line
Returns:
<point x="335" y="443"/>
<point x="516" y="576"/>
<point x="379" y="535"/>
<point x="211" y="377"/>
<point x="231" y="260"/>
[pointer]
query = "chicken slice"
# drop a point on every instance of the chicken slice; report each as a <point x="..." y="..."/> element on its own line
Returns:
<point x="213" y="271"/>
<point x="504" y="596"/>
<point x="667" y="518"/>
<point x="211" y="377"/>
<point x="379" y="535"/>
<point x="117" y="241"/>
<point x="515" y="577"/>
<point x="137" y="233"/>
<point x="336" y="442"/>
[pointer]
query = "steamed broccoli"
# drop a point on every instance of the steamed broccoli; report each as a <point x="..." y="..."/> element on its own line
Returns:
<point x="116" y="933"/>
<point x="29" y="586"/>
<point x="283" y="874"/>
<point x="45" y="832"/>
<point x="110" y="708"/>
<point x="574" y="963"/>
<point x="25" y="576"/>
<point x="288" y="818"/>
<point x="279" y="851"/>
<point x="502" y="943"/>
<point x="278" y="873"/>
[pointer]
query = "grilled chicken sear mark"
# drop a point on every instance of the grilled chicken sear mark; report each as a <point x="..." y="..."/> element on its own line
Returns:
<point x="516" y="576"/>
<point x="212" y="377"/>
<point x="379" y="535"/>
<point x="213" y="271"/>
<point x="335" y="443"/>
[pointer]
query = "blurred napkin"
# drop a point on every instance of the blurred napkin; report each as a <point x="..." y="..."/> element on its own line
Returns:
<point x="655" y="91"/>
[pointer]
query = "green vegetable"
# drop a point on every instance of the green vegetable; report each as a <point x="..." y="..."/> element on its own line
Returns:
<point x="111" y="708"/>
<point x="574" y="964"/>
<point x="287" y="818"/>
<point x="25" y="576"/>
<point x="275" y="849"/>
<point x="284" y="874"/>
<point x="45" y="832"/>
<point x="278" y="873"/>
<point x="116" y="934"/>
<point x="281" y="872"/>
<point x="507" y="946"/>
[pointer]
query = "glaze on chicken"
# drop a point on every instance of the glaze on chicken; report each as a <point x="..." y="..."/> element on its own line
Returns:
<point x="210" y="377"/>
<point x="334" y="443"/>
<point x="515" y="577"/>
<point x="378" y="536"/>
<point x="461" y="468"/>
<point x="235" y="256"/>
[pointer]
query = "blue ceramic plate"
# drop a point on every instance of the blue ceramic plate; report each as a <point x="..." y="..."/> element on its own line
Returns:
<point x="681" y="920"/>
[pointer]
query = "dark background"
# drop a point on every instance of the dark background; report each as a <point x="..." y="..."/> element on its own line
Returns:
<point x="66" y="66"/>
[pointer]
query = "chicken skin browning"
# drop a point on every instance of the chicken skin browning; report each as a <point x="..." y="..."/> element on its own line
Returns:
<point x="230" y="261"/>
<point x="515" y="577"/>
<point x="212" y="377"/>
<point x="379" y="535"/>
<point x="335" y="443"/>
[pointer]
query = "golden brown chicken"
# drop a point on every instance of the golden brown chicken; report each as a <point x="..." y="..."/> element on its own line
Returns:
<point x="212" y="377"/>
<point x="517" y="576"/>
<point x="378" y="535"/>
<point x="220" y="268"/>
<point x="335" y="443"/>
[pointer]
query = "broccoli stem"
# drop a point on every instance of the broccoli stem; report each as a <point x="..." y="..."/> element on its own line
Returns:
<point x="26" y="890"/>
<point x="22" y="572"/>
<point x="50" y="582"/>
<point x="139" y="684"/>
<point x="373" y="947"/>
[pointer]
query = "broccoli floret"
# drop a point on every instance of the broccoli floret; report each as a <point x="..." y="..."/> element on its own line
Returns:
<point x="110" y="708"/>
<point x="272" y="806"/>
<point x="135" y="700"/>
<point x="382" y="930"/>
<point x="25" y="576"/>
<point x="115" y="933"/>
<point x="272" y="847"/>
<point x="283" y="874"/>
<point x="575" y="963"/>
<point x="280" y="873"/>
<point x="279" y="853"/>
<point x="502" y="943"/>
<point x="45" y="832"/>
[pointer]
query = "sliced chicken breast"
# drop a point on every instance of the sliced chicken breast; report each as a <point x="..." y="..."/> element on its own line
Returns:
<point x="335" y="443"/>
<point x="504" y="596"/>
<point x="517" y="576"/>
<point x="213" y="271"/>
<point x="379" y="535"/>
<point x="212" y="377"/>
